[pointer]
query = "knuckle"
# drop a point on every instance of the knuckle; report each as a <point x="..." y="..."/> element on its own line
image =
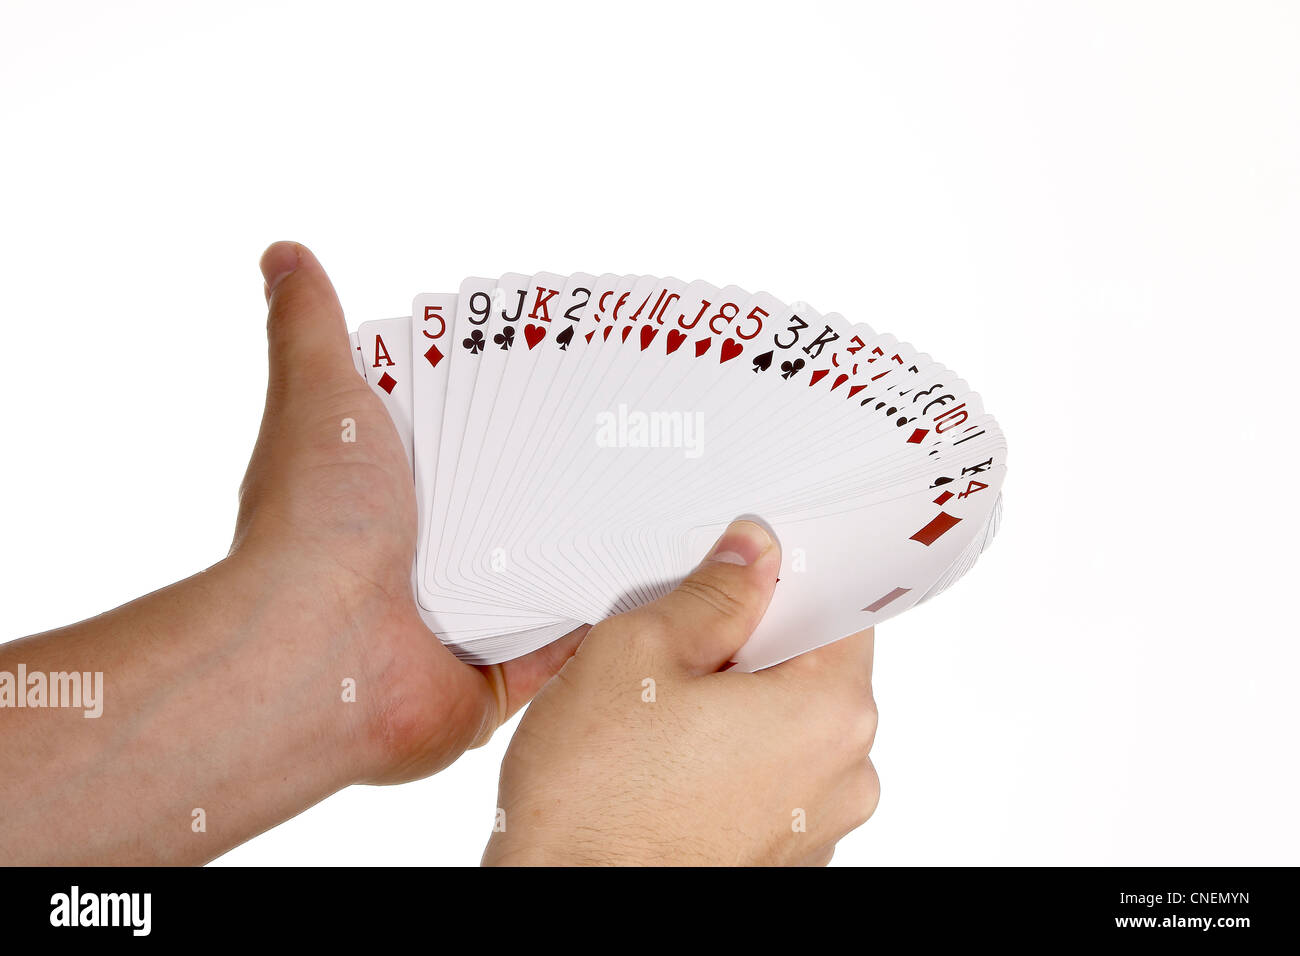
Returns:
<point x="633" y="636"/>
<point x="284" y="309"/>
<point x="721" y="597"/>
<point x="804" y="665"/>
<point x="647" y="628"/>
<point x="869" y="721"/>
<point x="864" y="725"/>
<point x="866" y="796"/>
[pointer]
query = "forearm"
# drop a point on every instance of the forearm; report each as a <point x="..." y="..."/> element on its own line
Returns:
<point x="222" y="693"/>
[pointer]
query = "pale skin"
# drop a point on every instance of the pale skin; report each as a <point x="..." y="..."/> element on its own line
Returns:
<point x="225" y="691"/>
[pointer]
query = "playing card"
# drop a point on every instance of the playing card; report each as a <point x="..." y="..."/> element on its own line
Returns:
<point x="385" y="350"/>
<point x="441" y="475"/>
<point x="578" y="442"/>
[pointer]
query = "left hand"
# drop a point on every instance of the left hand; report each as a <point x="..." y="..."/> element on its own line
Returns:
<point x="334" y="524"/>
<point x="222" y="696"/>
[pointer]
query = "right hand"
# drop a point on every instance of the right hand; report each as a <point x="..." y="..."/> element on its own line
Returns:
<point x="720" y="767"/>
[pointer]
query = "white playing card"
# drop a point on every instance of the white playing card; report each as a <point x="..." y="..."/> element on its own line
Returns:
<point x="466" y="346"/>
<point x="530" y="373"/>
<point x="385" y="349"/>
<point x="578" y="442"/>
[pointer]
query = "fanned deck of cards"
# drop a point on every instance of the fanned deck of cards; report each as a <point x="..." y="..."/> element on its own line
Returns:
<point x="577" y="444"/>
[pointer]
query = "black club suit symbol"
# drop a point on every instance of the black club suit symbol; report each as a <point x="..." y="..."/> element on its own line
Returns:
<point x="475" y="342"/>
<point x="505" y="338"/>
<point x="790" y="368"/>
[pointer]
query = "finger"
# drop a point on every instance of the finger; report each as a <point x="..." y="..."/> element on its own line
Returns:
<point x="504" y="688"/>
<point x="703" y="622"/>
<point x="848" y="658"/>
<point x="525" y="676"/>
<point x="305" y="329"/>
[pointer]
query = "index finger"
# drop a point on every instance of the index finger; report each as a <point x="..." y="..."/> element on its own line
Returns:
<point x="852" y="655"/>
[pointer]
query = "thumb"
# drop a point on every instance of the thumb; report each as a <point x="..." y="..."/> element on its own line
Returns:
<point x="715" y="610"/>
<point x="305" y="330"/>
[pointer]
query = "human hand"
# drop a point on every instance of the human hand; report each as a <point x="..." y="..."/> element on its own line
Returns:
<point x="224" y="691"/>
<point x="709" y="767"/>
<point x="332" y="526"/>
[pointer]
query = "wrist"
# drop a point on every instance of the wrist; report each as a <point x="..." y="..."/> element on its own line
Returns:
<point x="223" y="691"/>
<point x="298" y="651"/>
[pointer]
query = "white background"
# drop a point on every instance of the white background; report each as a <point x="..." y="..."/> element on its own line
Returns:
<point x="1090" y="210"/>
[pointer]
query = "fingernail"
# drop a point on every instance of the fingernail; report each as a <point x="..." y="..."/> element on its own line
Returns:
<point x="279" y="260"/>
<point x="744" y="542"/>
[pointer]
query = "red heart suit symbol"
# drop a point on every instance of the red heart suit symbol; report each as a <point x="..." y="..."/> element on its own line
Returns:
<point x="730" y="349"/>
<point x="648" y="333"/>
<point x="534" y="334"/>
<point x="675" y="340"/>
